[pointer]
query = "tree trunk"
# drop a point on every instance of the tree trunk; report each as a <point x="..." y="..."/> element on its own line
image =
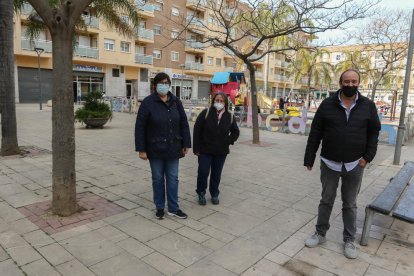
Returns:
<point x="9" y="144"/>
<point x="307" y="102"/>
<point x="63" y="128"/>
<point x="374" y="90"/>
<point x="253" y="95"/>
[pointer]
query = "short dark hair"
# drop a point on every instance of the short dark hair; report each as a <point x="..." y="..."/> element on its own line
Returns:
<point x="226" y="100"/>
<point x="160" y="77"/>
<point x="349" y="70"/>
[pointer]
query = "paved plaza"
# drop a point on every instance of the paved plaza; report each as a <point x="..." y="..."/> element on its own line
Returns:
<point x="268" y="207"/>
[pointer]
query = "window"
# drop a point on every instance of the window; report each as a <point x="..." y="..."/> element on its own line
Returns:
<point x="175" y="11"/>
<point x="210" y="20"/>
<point x="209" y="60"/>
<point x="157" y="30"/>
<point x="218" y="62"/>
<point x="338" y="57"/>
<point x="175" y="56"/>
<point x="109" y="44"/>
<point x="174" y="34"/>
<point x="115" y="72"/>
<point x="159" y="5"/>
<point x="156" y="54"/>
<point x="125" y="18"/>
<point x="125" y="47"/>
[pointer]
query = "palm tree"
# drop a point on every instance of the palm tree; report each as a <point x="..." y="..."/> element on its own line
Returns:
<point x="9" y="143"/>
<point x="309" y="64"/>
<point x="61" y="18"/>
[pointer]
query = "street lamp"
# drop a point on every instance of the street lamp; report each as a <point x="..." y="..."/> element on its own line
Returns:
<point x="39" y="51"/>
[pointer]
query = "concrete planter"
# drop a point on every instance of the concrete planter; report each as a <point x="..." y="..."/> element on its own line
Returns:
<point x="95" y="122"/>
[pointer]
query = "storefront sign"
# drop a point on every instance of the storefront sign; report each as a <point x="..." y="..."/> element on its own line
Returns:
<point x="87" y="68"/>
<point x="174" y="76"/>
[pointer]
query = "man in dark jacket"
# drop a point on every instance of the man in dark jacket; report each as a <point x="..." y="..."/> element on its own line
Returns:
<point x="348" y="125"/>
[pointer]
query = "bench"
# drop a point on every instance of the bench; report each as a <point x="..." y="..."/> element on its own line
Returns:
<point x="396" y="200"/>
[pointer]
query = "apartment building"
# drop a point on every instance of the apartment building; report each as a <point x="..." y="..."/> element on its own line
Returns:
<point x="107" y="61"/>
<point x="337" y="54"/>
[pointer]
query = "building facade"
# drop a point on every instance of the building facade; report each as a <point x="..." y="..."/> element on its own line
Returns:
<point x="120" y="66"/>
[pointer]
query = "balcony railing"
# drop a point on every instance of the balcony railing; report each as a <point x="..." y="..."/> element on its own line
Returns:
<point x="285" y="64"/>
<point x="191" y="20"/>
<point x="86" y="51"/>
<point x="259" y="74"/>
<point x="194" y="66"/>
<point x="91" y="21"/>
<point x="201" y="3"/>
<point x="194" y="44"/>
<point x="254" y="56"/>
<point x="26" y="8"/>
<point x="144" y="6"/>
<point x="26" y="44"/>
<point x="228" y="69"/>
<point x="143" y="59"/>
<point x="145" y="33"/>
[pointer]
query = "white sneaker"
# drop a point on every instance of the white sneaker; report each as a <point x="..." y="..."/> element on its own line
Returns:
<point x="350" y="250"/>
<point x="315" y="240"/>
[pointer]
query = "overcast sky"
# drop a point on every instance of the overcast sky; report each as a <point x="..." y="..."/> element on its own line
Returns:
<point x="389" y="4"/>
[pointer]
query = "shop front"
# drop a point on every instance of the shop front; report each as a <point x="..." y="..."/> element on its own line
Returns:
<point x="87" y="79"/>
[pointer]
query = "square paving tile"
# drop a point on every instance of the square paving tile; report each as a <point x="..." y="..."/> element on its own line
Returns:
<point x="180" y="249"/>
<point x="95" y="208"/>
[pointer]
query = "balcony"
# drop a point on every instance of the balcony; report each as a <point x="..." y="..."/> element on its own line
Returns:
<point x="145" y="10"/>
<point x="196" y="24"/>
<point x="258" y="75"/>
<point x="254" y="56"/>
<point x="197" y="5"/>
<point x="145" y="35"/>
<point x="195" y="66"/>
<point x="281" y="78"/>
<point x="27" y="8"/>
<point x="229" y="14"/>
<point x="285" y="64"/>
<point x="86" y="51"/>
<point x="193" y="46"/>
<point x="143" y="59"/>
<point x="26" y="44"/>
<point x="91" y="21"/>
<point x="228" y="54"/>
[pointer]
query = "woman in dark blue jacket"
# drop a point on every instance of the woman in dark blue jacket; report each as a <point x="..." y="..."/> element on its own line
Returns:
<point x="214" y="131"/>
<point x="162" y="136"/>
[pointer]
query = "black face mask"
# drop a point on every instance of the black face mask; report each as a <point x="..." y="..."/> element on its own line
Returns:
<point x="349" y="91"/>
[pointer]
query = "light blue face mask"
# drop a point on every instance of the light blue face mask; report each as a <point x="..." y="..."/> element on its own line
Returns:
<point x="163" y="88"/>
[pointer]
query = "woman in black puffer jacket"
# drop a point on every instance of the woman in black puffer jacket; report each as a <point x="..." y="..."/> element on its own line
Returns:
<point x="214" y="131"/>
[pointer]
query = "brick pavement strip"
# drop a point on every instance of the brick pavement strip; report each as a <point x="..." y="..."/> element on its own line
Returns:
<point x="268" y="207"/>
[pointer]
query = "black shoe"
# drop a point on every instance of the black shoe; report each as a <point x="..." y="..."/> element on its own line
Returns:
<point x="202" y="199"/>
<point x="215" y="200"/>
<point x="160" y="213"/>
<point x="179" y="214"/>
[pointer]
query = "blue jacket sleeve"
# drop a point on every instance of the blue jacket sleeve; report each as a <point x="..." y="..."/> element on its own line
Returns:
<point x="184" y="128"/>
<point x="141" y="127"/>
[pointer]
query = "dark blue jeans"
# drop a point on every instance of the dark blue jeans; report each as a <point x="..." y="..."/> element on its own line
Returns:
<point x="165" y="174"/>
<point x="207" y="162"/>
<point x="351" y="184"/>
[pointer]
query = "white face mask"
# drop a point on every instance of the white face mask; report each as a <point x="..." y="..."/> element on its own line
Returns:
<point x="219" y="106"/>
<point x="162" y="88"/>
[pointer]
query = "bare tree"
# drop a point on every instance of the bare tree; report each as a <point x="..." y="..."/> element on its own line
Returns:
<point x="9" y="143"/>
<point x="385" y="42"/>
<point x="245" y="28"/>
